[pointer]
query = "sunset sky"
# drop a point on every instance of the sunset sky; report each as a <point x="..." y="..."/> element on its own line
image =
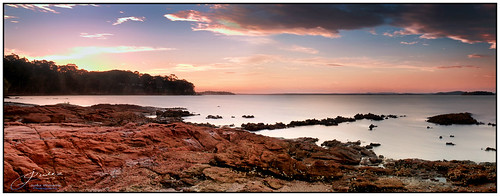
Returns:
<point x="269" y="48"/>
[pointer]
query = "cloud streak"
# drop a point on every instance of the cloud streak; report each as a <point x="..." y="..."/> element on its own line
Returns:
<point x="81" y="52"/>
<point x="409" y="43"/>
<point x="472" y="56"/>
<point x="9" y="17"/>
<point x="47" y="8"/>
<point x="457" y="67"/>
<point x="301" y="49"/>
<point x="130" y="18"/>
<point x="97" y="36"/>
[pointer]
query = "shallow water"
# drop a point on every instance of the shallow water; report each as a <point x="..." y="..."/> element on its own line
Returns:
<point x="406" y="137"/>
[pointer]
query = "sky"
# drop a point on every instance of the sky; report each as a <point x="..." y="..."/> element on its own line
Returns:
<point x="269" y="48"/>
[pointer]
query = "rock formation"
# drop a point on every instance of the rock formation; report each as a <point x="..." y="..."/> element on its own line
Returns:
<point x="115" y="148"/>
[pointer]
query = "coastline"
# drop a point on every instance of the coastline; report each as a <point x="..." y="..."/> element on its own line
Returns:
<point x="113" y="148"/>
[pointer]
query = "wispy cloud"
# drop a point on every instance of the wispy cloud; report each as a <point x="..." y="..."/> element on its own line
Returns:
<point x="81" y="52"/>
<point x="358" y="62"/>
<point x="296" y="48"/>
<point x="409" y="43"/>
<point x="47" y="8"/>
<point x="188" y="15"/>
<point x="457" y="67"/>
<point x="130" y="18"/>
<point x="471" y="56"/>
<point x="9" y="17"/>
<point x="193" y="68"/>
<point x="254" y="59"/>
<point x="98" y="36"/>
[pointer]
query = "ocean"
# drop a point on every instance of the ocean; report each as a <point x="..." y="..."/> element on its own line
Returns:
<point x="400" y="138"/>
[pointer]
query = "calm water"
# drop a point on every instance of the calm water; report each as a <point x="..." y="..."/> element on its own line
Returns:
<point x="405" y="137"/>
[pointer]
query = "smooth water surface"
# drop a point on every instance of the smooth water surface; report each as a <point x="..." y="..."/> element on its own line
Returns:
<point x="405" y="137"/>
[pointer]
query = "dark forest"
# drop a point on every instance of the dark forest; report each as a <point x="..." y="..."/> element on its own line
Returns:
<point x="41" y="77"/>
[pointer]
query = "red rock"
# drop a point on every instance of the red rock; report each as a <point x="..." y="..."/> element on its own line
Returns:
<point x="176" y="157"/>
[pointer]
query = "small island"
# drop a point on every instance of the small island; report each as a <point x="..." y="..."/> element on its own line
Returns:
<point x="454" y="118"/>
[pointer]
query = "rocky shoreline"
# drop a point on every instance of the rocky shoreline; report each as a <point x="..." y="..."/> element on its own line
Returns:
<point x="117" y="148"/>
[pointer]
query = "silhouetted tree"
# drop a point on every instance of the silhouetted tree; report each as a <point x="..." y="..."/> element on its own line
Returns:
<point x="22" y="77"/>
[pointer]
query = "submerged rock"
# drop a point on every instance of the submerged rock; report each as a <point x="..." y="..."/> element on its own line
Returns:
<point x="490" y="149"/>
<point x="214" y="117"/>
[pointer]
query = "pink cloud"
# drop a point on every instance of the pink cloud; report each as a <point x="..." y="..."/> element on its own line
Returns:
<point x="130" y="18"/>
<point x="477" y="56"/>
<point x="254" y="59"/>
<point x="296" y="48"/>
<point x="98" y="36"/>
<point x="188" y="15"/>
<point x="457" y="67"/>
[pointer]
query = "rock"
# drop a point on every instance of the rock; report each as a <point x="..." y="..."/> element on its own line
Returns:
<point x="450" y="143"/>
<point x="214" y="117"/>
<point x="173" y="112"/>
<point x="248" y="116"/>
<point x="273" y="183"/>
<point x="372" y="126"/>
<point x="369" y="116"/>
<point x="80" y="155"/>
<point x="36" y="118"/>
<point x="455" y="118"/>
<point x="490" y="149"/>
<point x="440" y="137"/>
<point x="374" y="144"/>
<point x="452" y="136"/>
<point x="378" y="185"/>
<point x="492" y="124"/>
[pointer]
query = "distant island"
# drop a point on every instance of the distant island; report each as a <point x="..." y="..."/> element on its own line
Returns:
<point x="215" y="93"/>
<point x="22" y="77"/>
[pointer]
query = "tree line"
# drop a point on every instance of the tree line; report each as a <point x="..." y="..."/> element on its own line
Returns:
<point x="41" y="77"/>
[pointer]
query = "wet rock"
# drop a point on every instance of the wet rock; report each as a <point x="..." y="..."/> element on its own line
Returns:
<point x="214" y="117"/>
<point x="490" y="149"/>
<point x="173" y="112"/>
<point x="374" y="144"/>
<point x="492" y="124"/>
<point x="369" y="116"/>
<point x="379" y="185"/>
<point x="455" y="118"/>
